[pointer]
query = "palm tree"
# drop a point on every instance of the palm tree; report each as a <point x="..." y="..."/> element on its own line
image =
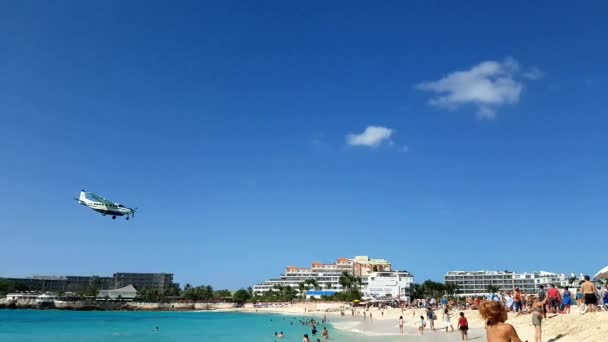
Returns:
<point x="328" y="285"/>
<point x="345" y="280"/>
<point x="302" y="289"/>
<point x="358" y="282"/>
<point x="418" y="291"/>
<point x="312" y="283"/>
<point x="492" y="288"/>
<point x="451" y="288"/>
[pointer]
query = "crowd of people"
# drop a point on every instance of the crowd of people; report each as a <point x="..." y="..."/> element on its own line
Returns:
<point x="494" y="309"/>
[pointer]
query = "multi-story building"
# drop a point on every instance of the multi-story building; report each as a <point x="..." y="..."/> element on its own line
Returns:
<point x="393" y="284"/>
<point x="327" y="276"/>
<point x="63" y="283"/>
<point x="79" y="283"/>
<point x="476" y="282"/>
<point x="364" y="266"/>
<point x="143" y="280"/>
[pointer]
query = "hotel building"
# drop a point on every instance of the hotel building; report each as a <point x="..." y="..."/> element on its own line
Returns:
<point x="471" y="283"/>
<point x="78" y="283"/>
<point x="327" y="276"/>
<point x="393" y="284"/>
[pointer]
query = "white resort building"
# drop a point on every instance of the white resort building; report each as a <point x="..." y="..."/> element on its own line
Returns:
<point x="327" y="276"/>
<point x="393" y="285"/>
<point x="471" y="283"/>
<point x="126" y="293"/>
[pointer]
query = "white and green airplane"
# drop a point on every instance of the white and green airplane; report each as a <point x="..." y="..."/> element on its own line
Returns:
<point x="104" y="206"/>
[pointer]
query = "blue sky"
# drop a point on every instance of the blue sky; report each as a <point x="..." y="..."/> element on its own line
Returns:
<point x="255" y="135"/>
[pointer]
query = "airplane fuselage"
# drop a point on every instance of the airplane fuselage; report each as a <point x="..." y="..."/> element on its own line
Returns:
<point x="107" y="209"/>
<point x="103" y="206"/>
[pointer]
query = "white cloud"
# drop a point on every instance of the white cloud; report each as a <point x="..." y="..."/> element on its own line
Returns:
<point x="534" y="74"/>
<point x="487" y="85"/>
<point x="373" y="136"/>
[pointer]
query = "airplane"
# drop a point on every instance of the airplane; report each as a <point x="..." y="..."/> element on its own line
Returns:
<point x="104" y="206"/>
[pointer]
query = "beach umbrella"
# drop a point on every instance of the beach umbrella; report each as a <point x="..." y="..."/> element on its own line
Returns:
<point x="602" y="274"/>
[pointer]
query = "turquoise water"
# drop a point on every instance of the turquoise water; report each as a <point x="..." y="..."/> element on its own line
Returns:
<point x="50" y="325"/>
<point x="72" y="326"/>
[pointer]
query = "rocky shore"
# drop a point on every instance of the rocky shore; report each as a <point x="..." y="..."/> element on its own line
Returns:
<point x="92" y="305"/>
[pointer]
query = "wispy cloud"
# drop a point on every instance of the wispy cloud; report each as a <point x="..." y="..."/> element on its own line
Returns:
<point x="372" y="136"/>
<point x="534" y="74"/>
<point x="487" y="85"/>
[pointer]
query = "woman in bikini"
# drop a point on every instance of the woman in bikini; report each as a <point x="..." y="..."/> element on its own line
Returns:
<point x="537" y="318"/>
<point x="495" y="315"/>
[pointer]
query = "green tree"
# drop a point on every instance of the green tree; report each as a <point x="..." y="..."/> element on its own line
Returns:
<point x="433" y="288"/>
<point x="302" y="290"/>
<point x="418" y="290"/>
<point x="6" y="286"/>
<point x="346" y="280"/>
<point x="311" y="283"/>
<point x="451" y="289"/>
<point x="328" y="286"/>
<point x="222" y="294"/>
<point x="172" y="290"/>
<point x="241" y="296"/>
<point x="492" y="288"/>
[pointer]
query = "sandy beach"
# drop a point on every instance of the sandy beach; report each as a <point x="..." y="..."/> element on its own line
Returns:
<point x="574" y="327"/>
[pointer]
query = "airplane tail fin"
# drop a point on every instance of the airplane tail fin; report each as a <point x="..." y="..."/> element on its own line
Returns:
<point x="83" y="196"/>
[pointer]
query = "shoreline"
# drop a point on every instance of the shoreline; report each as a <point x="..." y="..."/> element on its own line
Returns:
<point x="573" y="327"/>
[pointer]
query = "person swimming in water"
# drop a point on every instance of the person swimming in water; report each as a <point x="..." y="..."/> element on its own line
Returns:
<point x="325" y="333"/>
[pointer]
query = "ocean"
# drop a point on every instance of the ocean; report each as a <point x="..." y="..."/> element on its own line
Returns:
<point x="79" y="326"/>
<point x="52" y="325"/>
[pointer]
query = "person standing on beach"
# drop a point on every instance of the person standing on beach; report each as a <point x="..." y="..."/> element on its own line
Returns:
<point x="401" y="324"/>
<point x="421" y="325"/>
<point x="541" y="295"/>
<point x="495" y="315"/>
<point x="517" y="300"/>
<point x="554" y="298"/>
<point x="447" y="320"/>
<point x="463" y="326"/>
<point x="589" y="294"/>
<point x="537" y="318"/>
<point x="430" y="315"/>
<point x="567" y="300"/>
<point x="579" y="299"/>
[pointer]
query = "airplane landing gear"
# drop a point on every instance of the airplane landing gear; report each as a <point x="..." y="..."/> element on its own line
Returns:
<point x="127" y="218"/>
<point x="113" y="217"/>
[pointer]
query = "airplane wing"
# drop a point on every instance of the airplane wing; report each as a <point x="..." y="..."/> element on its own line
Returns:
<point x="99" y="198"/>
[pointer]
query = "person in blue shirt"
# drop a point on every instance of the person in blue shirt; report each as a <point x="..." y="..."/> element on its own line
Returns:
<point x="444" y="302"/>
